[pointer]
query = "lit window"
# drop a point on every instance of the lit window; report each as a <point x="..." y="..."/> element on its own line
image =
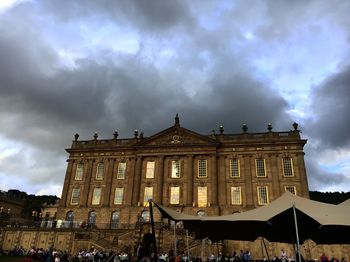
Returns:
<point x="202" y="197"/>
<point x="175" y="195"/>
<point x="121" y="170"/>
<point x="150" y="169"/>
<point x="145" y="216"/>
<point x="263" y="195"/>
<point x="79" y="172"/>
<point x="100" y="171"/>
<point x="96" y="196"/>
<point x="287" y="166"/>
<point x="236" y="195"/>
<point x="175" y="169"/>
<point x="118" y="196"/>
<point x="148" y="195"/>
<point x="291" y="189"/>
<point x="260" y="168"/>
<point x="201" y="213"/>
<point x="234" y="168"/>
<point x="202" y="168"/>
<point x="75" y="196"/>
<point x="115" y="219"/>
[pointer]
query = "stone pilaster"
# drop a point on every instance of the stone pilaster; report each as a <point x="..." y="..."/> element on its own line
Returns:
<point x="66" y="184"/>
<point x="189" y="175"/>
<point x="222" y="198"/>
<point x="137" y="183"/>
<point x="214" y="180"/>
<point x="108" y="187"/>
<point x="130" y="178"/>
<point x="84" y="194"/>
<point x="160" y="178"/>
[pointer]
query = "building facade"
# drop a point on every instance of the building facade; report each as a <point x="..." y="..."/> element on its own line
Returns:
<point x="108" y="182"/>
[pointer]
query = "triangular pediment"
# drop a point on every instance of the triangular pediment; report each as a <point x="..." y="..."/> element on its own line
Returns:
<point x="177" y="136"/>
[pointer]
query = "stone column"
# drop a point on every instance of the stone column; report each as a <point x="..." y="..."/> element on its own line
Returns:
<point x="160" y="176"/>
<point x="108" y="184"/>
<point x="222" y="198"/>
<point x="214" y="180"/>
<point x="189" y="175"/>
<point x="84" y="199"/>
<point x="137" y="181"/>
<point x="276" y="176"/>
<point x="304" y="187"/>
<point x="130" y="181"/>
<point x="249" y="173"/>
<point x="66" y="185"/>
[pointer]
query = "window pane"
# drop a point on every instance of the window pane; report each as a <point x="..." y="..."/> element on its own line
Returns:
<point x="96" y="198"/>
<point x="287" y="166"/>
<point x="260" y="168"/>
<point x="79" y="172"/>
<point x="75" y="196"/>
<point x="121" y="170"/>
<point x="150" y="169"/>
<point x="148" y="195"/>
<point x="115" y="219"/>
<point x="175" y="168"/>
<point x="174" y="195"/>
<point x="263" y="196"/>
<point x="202" y="168"/>
<point x="118" y="196"/>
<point x="100" y="171"/>
<point x="234" y="168"/>
<point x="92" y="218"/>
<point x="202" y="197"/>
<point x="236" y="195"/>
<point x="291" y="189"/>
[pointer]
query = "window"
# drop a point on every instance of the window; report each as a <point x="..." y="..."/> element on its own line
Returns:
<point x="287" y="166"/>
<point x="236" y="195"/>
<point x="175" y="195"/>
<point x="260" y="168"/>
<point x="121" y="170"/>
<point x="291" y="189"/>
<point x="70" y="216"/>
<point x="145" y="216"/>
<point x="79" y="172"/>
<point x="175" y="169"/>
<point x="202" y="197"/>
<point x="148" y="195"/>
<point x="202" y="168"/>
<point x="201" y="213"/>
<point x="100" y="171"/>
<point x="115" y="219"/>
<point x="263" y="195"/>
<point x="92" y="218"/>
<point x="118" y="196"/>
<point x="150" y="169"/>
<point x="75" y="196"/>
<point x="234" y="168"/>
<point x="96" y="196"/>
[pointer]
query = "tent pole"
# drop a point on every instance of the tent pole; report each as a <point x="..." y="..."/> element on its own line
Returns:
<point x="296" y="232"/>
<point x="153" y="231"/>
<point x="267" y="253"/>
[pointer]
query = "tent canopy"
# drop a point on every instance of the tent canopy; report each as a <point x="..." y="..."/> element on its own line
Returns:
<point x="321" y="222"/>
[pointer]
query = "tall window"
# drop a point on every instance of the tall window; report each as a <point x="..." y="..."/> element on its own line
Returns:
<point x="100" y="171"/>
<point x="75" y="196"/>
<point x="92" y="218"/>
<point x="201" y="213"/>
<point x="291" y="189"/>
<point x="263" y="195"/>
<point x="121" y="170"/>
<point x="115" y="219"/>
<point x="174" y="195"/>
<point x="79" y="171"/>
<point x="148" y="195"/>
<point x="202" y="168"/>
<point x="260" y="168"/>
<point x="234" y="168"/>
<point x="287" y="166"/>
<point x="150" y="169"/>
<point x="236" y="196"/>
<point x="70" y="218"/>
<point x="202" y="197"/>
<point x="96" y="196"/>
<point x="118" y="196"/>
<point x="175" y="169"/>
<point x="145" y="216"/>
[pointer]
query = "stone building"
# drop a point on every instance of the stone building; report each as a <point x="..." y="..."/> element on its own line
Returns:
<point x="109" y="181"/>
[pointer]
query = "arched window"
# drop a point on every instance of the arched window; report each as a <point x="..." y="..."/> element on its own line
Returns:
<point x="92" y="218"/>
<point x="115" y="219"/>
<point x="145" y="216"/>
<point x="70" y="218"/>
<point x="201" y="213"/>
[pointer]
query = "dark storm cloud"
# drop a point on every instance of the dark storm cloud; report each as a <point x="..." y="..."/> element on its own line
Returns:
<point x="157" y="15"/>
<point x="331" y="106"/>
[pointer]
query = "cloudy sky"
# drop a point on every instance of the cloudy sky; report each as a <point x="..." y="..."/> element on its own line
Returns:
<point x="71" y="67"/>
